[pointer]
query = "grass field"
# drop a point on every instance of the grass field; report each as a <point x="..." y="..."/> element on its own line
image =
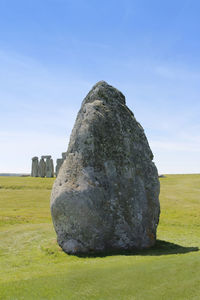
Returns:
<point x="32" y="266"/>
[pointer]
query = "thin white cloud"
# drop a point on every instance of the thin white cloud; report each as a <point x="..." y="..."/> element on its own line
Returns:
<point x="177" y="73"/>
<point x="176" y="146"/>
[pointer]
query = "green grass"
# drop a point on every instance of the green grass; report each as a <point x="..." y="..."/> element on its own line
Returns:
<point x="32" y="266"/>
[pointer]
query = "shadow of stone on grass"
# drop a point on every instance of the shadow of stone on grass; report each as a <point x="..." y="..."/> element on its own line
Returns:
<point x="166" y="248"/>
<point x="160" y="248"/>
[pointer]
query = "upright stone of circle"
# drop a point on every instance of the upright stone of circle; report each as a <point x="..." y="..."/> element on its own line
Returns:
<point x="64" y="155"/>
<point x="59" y="163"/>
<point x="34" y="168"/>
<point x="49" y="171"/>
<point x="42" y="168"/>
<point x="105" y="197"/>
<point x="52" y="168"/>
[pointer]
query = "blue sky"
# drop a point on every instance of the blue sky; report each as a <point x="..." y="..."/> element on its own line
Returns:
<point x="53" y="51"/>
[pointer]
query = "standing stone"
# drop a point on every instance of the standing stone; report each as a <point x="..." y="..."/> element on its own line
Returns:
<point x="52" y="168"/>
<point x="59" y="163"/>
<point x="105" y="197"/>
<point x="49" y="167"/>
<point x="34" y="168"/>
<point x="64" y="155"/>
<point x="42" y="168"/>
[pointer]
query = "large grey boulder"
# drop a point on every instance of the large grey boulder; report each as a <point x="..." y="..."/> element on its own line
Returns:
<point x="105" y="197"/>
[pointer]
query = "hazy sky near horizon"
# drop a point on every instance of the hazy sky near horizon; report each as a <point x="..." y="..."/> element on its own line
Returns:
<point x="53" y="51"/>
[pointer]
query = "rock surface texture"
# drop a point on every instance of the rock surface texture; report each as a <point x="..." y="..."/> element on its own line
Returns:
<point x="105" y="197"/>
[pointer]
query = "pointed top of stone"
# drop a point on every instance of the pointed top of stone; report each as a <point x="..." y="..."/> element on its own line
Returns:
<point x="105" y="92"/>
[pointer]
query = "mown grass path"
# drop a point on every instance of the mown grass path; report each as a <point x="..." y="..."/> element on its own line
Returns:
<point x="32" y="266"/>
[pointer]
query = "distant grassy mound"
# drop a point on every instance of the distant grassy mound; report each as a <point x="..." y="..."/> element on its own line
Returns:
<point x="32" y="266"/>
